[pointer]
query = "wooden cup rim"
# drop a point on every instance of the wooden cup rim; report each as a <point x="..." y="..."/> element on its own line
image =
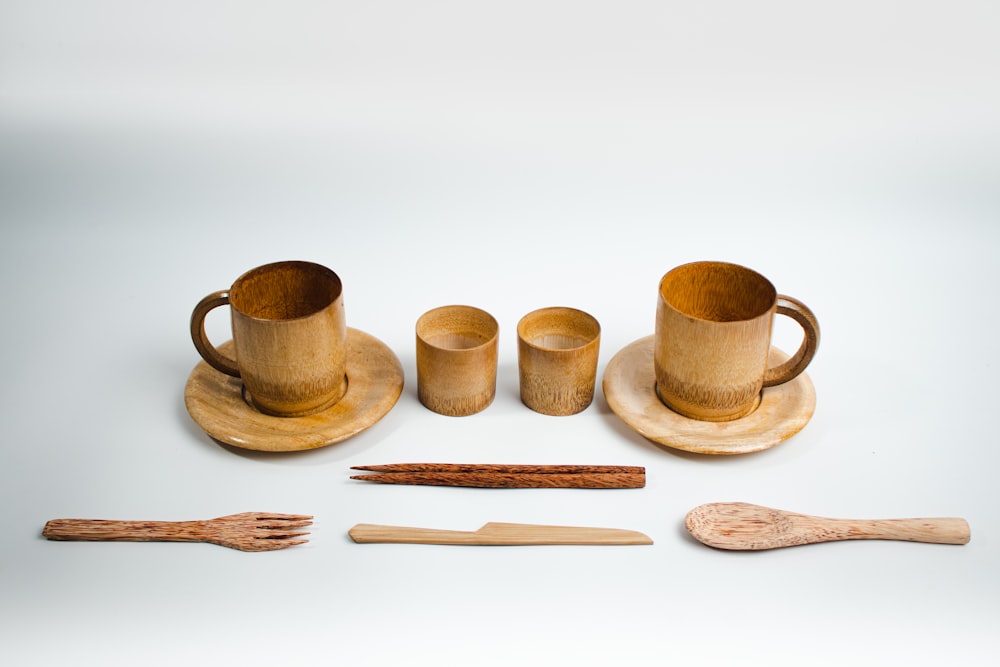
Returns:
<point x="676" y="287"/>
<point x="589" y="329"/>
<point x="324" y="287"/>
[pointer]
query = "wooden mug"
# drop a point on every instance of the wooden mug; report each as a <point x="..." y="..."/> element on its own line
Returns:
<point x="557" y="351"/>
<point x="289" y="334"/>
<point x="457" y="360"/>
<point x="713" y="335"/>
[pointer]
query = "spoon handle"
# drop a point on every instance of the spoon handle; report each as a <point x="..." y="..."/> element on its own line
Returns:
<point x="937" y="531"/>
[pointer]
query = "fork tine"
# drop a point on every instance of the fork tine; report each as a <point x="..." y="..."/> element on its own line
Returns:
<point x="278" y="541"/>
<point x="270" y="545"/>
<point x="288" y="543"/>
<point x="283" y="535"/>
<point x="292" y="525"/>
<point x="282" y="517"/>
<point x="259" y="531"/>
<point x="289" y="522"/>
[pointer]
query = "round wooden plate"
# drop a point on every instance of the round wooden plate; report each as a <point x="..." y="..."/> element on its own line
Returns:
<point x="374" y="382"/>
<point x="629" y="386"/>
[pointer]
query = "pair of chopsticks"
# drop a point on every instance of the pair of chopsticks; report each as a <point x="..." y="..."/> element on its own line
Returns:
<point x="504" y="476"/>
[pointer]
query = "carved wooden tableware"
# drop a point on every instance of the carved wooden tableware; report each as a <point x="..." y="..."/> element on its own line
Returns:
<point x="557" y="350"/>
<point x="457" y="360"/>
<point x="507" y="476"/>
<point x="708" y="380"/>
<point x="713" y="337"/>
<point x="216" y="403"/>
<point x="294" y="376"/>
<point x="743" y="526"/>
<point x="290" y="335"/>
<point x="630" y="388"/>
<point x="248" y="531"/>
<point x="498" y="534"/>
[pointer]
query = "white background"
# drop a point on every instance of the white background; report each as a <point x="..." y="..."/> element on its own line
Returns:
<point x="508" y="155"/>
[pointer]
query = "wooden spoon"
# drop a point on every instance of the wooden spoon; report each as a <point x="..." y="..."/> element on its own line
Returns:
<point x="746" y="527"/>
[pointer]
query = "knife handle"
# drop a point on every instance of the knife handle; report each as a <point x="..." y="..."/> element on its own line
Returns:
<point x="368" y="533"/>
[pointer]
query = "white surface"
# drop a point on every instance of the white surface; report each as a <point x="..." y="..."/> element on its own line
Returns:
<point x="510" y="156"/>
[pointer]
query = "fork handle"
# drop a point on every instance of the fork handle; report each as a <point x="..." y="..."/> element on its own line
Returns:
<point x="104" y="530"/>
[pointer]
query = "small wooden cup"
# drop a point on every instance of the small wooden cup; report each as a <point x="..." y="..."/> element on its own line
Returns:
<point x="457" y="360"/>
<point x="557" y="350"/>
<point x="713" y="335"/>
<point x="290" y="336"/>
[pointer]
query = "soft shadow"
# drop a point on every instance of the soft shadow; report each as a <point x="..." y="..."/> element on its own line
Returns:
<point x="634" y="437"/>
<point x="625" y="432"/>
<point x="682" y="532"/>
<point x="508" y="381"/>
<point x="372" y="436"/>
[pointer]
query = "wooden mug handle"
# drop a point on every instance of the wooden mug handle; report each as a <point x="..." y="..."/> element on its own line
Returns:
<point x="799" y="312"/>
<point x="215" y="359"/>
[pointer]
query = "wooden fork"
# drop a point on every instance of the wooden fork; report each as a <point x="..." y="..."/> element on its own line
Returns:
<point x="248" y="531"/>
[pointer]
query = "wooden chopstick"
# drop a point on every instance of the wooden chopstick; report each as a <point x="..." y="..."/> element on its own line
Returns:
<point x="499" y="467"/>
<point x="501" y="476"/>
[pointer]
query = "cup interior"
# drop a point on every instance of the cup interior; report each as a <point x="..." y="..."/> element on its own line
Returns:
<point x="285" y="291"/>
<point x="558" y="328"/>
<point x="718" y="292"/>
<point x="457" y="327"/>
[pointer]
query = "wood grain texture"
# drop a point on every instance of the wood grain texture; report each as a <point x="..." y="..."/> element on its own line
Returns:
<point x="375" y="382"/>
<point x="248" y="531"/>
<point x="791" y="368"/>
<point x="743" y="526"/>
<point x="713" y="336"/>
<point x="290" y="336"/>
<point x="456" y="349"/>
<point x="630" y="388"/>
<point x="507" y="480"/>
<point x="498" y="534"/>
<point x="500" y="467"/>
<point x="557" y="352"/>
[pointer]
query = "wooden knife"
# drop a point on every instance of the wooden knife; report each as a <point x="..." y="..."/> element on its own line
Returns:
<point x="499" y="534"/>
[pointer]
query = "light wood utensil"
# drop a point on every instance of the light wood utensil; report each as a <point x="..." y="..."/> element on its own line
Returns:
<point x="743" y="526"/>
<point x="249" y="531"/>
<point x="497" y="534"/>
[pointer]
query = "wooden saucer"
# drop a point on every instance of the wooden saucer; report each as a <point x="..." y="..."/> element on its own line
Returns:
<point x="630" y="387"/>
<point x="374" y="382"/>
